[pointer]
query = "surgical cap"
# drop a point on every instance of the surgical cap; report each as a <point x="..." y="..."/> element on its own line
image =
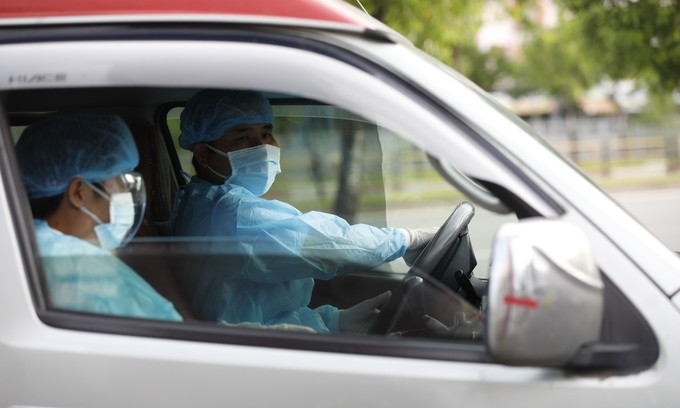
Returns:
<point x="210" y="112"/>
<point x="93" y="146"/>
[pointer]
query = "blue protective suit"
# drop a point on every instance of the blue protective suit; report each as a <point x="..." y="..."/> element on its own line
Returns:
<point x="279" y="252"/>
<point x="86" y="278"/>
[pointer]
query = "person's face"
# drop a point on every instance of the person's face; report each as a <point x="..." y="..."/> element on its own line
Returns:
<point x="81" y="194"/>
<point x="237" y="138"/>
<point x="100" y="205"/>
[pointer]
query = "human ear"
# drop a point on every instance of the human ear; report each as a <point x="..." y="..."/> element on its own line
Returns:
<point x="201" y="154"/>
<point x="75" y="192"/>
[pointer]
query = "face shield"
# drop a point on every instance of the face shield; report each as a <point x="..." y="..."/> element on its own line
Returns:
<point x="133" y="183"/>
<point x="127" y="202"/>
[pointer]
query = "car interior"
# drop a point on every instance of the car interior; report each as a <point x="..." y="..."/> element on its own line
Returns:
<point x="337" y="162"/>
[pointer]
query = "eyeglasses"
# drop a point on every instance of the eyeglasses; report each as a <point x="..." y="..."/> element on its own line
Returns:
<point x="128" y="182"/>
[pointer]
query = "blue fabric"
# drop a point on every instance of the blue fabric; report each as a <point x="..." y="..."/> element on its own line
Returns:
<point x="211" y="112"/>
<point x="86" y="278"/>
<point x="90" y="145"/>
<point x="278" y="253"/>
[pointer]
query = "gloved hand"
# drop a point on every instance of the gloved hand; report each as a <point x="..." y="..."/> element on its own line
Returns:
<point x="462" y="329"/>
<point x="360" y="317"/>
<point x="419" y="238"/>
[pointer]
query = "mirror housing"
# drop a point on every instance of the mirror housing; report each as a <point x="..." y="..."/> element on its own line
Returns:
<point x="545" y="299"/>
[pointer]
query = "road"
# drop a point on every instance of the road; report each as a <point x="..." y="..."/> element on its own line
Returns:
<point x="658" y="210"/>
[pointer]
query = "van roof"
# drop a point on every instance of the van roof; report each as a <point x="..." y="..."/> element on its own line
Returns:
<point x="319" y="11"/>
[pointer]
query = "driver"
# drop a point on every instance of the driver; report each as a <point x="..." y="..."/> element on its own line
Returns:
<point x="86" y="202"/>
<point x="236" y="158"/>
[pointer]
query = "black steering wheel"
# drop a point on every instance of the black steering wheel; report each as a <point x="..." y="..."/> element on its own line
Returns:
<point x="433" y="262"/>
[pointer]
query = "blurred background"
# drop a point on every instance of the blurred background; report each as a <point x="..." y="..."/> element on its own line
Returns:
<point x="599" y="79"/>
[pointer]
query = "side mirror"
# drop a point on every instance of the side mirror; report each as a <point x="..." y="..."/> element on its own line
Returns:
<point x="545" y="299"/>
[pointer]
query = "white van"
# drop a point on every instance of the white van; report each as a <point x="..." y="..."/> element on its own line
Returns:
<point x="538" y="289"/>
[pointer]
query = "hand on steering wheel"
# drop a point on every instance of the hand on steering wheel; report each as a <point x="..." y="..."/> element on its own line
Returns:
<point x="419" y="239"/>
<point x="462" y="329"/>
<point x="431" y="262"/>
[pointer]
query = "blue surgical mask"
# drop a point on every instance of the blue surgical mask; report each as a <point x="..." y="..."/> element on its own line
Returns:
<point x="111" y="235"/>
<point x="254" y="168"/>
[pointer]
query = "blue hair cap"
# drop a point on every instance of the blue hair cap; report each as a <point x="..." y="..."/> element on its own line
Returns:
<point x="57" y="149"/>
<point x="211" y="112"/>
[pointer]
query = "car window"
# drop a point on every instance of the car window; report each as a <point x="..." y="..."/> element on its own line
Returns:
<point x="334" y="163"/>
<point x="338" y="169"/>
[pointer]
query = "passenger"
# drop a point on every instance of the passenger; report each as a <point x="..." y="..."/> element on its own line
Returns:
<point x="237" y="159"/>
<point x="86" y="202"/>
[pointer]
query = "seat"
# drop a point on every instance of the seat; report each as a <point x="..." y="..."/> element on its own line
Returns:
<point x="155" y="166"/>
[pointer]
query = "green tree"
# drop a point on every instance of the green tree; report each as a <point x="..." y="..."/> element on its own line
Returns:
<point x="445" y="29"/>
<point x="553" y="61"/>
<point x="437" y="27"/>
<point x="633" y="38"/>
